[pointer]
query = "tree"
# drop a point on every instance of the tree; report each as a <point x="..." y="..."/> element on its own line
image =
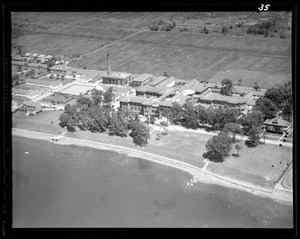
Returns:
<point x="255" y="118"/>
<point x="100" y="117"/>
<point x="233" y="129"/>
<point x="108" y="96"/>
<point x="51" y="63"/>
<point x="96" y="96"/>
<point x="140" y="133"/>
<point x="224" y="30"/>
<point x="226" y="86"/>
<point x="237" y="147"/>
<point x="201" y="114"/>
<point x="239" y="81"/>
<point x="167" y="113"/>
<point x="83" y="101"/>
<point x="71" y="124"/>
<point x="117" y="126"/>
<point x="166" y="74"/>
<point x="190" y="118"/>
<point x="256" y="86"/>
<point x="267" y="107"/>
<point x="282" y="97"/>
<point x="70" y="110"/>
<point x="253" y="139"/>
<point x="218" y="146"/>
<point x="64" y="118"/>
<point x="176" y="113"/>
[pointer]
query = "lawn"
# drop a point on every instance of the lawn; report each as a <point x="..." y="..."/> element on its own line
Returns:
<point x="187" y="147"/>
<point x="40" y="122"/>
<point x="255" y="163"/>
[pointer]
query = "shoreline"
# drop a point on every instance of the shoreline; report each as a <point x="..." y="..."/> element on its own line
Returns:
<point x="199" y="175"/>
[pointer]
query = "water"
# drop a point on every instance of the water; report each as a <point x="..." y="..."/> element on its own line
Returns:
<point x="70" y="186"/>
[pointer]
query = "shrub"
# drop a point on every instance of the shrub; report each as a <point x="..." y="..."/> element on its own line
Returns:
<point x="239" y="24"/>
<point x="282" y="36"/>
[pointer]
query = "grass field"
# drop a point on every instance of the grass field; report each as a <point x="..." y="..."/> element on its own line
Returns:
<point x="256" y="163"/>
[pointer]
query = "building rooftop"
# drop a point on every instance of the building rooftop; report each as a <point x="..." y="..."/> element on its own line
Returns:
<point x="251" y="102"/>
<point x="157" y="80"/>
<point x="33" y="104"/>
<point x="151" y="89"/>
<point x="189" y="85"/>
<point x="114" y="75"/>
<point x="166" y="103"/>
<point x="280" y="122"/>
<point x="134" y="99"/>
<point x="180" y="98"/>
<point x="143" y="77"/>
<point x="24" y="92"/>
<point x="19" y="63"/>
<point x="60" y="68"/>
<point x="44" y="81"/>
<point x="166" y="81"/>
<point x="224" y="98"/>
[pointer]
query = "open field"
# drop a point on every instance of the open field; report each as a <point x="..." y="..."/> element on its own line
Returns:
<point x="40" y="122"/>
<point x="58" y="44"/>
<point x="186" y="55"/>
<point x="199" y="56"/>
<point x="256" y="163"/>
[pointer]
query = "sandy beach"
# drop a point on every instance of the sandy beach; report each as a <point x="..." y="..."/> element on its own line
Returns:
<point x="200" y="175"/>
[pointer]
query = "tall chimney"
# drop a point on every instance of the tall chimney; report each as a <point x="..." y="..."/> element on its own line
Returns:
<point x="108" y="65"/>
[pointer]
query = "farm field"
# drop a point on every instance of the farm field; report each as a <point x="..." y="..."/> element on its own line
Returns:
<point x="196" y="56"/>
<point x="58" y="44"/>
<point x="184" y="55"/>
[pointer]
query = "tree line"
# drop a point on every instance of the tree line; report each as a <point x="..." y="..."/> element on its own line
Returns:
<point x="96" y="114"/>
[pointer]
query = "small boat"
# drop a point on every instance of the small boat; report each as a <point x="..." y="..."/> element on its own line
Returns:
<point x="26" y="152"/>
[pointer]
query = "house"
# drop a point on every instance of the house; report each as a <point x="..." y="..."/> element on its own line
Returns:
<point x="48" y="58"/>
<point x="34" y="56"/>
<point x="27" y="54"/>
<point x="142" y="80"/>
<point x="41" y="57"/>
<point x="32" y="107"/>
<point x="60" y="69"/>
<point x="277" y="125"/>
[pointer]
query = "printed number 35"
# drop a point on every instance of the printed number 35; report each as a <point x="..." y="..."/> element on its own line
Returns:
<point x="264" y="7"/>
